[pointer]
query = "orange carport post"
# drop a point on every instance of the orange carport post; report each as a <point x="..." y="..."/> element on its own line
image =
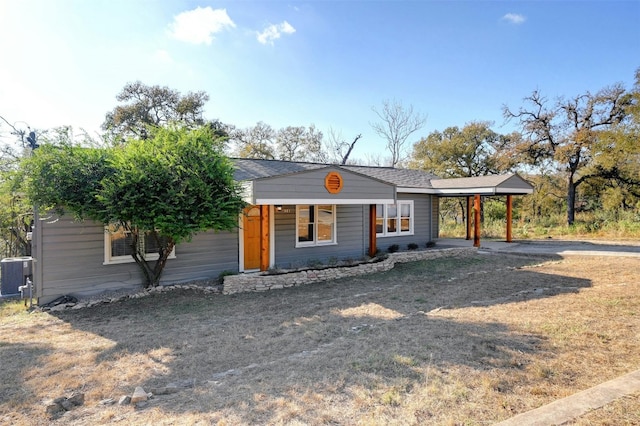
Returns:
<point x="509" y="217"/>
<point x="468" y="237"/>
<point x="476" y="221"/>
<point x="264" y="238"/>
<point x="372" y="230"/>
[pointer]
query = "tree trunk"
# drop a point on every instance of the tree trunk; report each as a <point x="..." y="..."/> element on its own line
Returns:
<point x="151" y="274"/>
<point x="571" y="201"/>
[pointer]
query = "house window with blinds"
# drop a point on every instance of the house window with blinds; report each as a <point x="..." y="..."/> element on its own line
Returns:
<point x="315" y="225"/>
<point x="394" y="219"/>
<point x="118" y="247"/>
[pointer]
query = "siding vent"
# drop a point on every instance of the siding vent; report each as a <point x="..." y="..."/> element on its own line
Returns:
<point x="333" y="182"/>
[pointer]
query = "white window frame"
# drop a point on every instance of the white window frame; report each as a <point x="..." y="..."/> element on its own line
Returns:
<point x="114" y="260"/>
<point x="398" y="204"/>
<point x="315" y="242"/>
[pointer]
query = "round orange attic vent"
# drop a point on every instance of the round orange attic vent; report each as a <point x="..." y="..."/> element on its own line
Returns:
<point x="333" y="182"/>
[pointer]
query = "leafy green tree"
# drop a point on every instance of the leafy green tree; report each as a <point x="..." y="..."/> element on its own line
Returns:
<point x="255" y="142"/>
<point x="572" y="136"/>
<point x="299" y="143"/>
<point x="547" y="200"/>
<point x="145" y="107"/>
<point x="291" y="143"/>
<point x="618" y="165"/>
<point x="169" y="187"/>
<point x="471" y="151"/>
<point x="16" y="214"/>
<point x="454" y="152"/>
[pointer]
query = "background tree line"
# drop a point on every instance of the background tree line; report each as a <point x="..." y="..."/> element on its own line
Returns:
<point x="581" y="153"/>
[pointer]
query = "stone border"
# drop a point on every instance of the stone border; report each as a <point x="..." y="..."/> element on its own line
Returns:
<point x="261" y="281"/>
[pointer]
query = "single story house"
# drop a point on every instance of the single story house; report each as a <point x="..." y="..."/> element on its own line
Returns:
<point x="298" y="212"/>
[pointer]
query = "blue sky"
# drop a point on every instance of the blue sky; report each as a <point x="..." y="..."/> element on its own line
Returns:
<point x="303" y="62"/>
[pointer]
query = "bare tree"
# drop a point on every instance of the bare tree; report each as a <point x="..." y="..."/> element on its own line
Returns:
<point x="396" y="124"/>
<point x="338" y="148"/>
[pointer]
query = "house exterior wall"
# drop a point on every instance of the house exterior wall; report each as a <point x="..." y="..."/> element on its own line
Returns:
<point x="350" y="237"/>
<point x="310" y="185"/>
<point x="70" y="254"/>
<point x="71" y="260"/>
<point x="435" y="217"/>
<point x="422" y="224"/>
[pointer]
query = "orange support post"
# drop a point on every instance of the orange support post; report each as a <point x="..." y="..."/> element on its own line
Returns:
<point x="509" y="217"/>
<point x="372" y="230"/>
<point x="264" y="238"/>
<point x="476" y="220"/>
<point x="468" y="214"/>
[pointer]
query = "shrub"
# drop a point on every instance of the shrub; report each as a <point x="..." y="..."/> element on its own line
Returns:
<point x="412" y="246"/>
<point x="393" y="248"/>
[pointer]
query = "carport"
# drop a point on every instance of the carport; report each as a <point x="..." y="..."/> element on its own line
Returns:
<point x="474" y="188"/>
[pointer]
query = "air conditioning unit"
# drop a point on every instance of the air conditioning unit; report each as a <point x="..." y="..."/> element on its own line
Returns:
<point x="13" y="274"/>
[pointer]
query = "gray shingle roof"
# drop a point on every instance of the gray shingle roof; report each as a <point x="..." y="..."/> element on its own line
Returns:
<point x="470" y="182"/>
<point x="400" y="177"/>
<point x="248" y="169"/>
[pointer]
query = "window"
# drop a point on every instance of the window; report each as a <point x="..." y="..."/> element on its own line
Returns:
<point x="315" y="225"/>
<point x="394" y="219"/>
<point x="118" y="245"/>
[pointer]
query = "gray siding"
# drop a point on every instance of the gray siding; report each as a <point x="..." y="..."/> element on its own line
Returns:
<point x="514" y="182"/>
<point x="310" y="185"/>
<point x="350" y="235"/>
<point x="70" y="254"/>
<point x="422" y="224"/>
<point x="71" y="259"/>
<point x="435" y="218"/>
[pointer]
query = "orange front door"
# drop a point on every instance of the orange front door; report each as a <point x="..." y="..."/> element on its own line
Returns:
<point x="251" y="229"/>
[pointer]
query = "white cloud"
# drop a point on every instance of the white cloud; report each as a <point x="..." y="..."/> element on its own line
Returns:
<point x="274" y="31"/>
<point x="514" y="18"/>
<point x="197" y="26"/>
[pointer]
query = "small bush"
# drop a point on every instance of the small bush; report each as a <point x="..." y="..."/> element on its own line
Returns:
<point x="431" y="244"/>
<point x="393" y="248"/>
<point x="412" y="246"/>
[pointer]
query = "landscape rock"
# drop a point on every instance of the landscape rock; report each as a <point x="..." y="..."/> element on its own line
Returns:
<point x="53" y="409"/>
<point x="124" y="400"/>
<point x="76" y="398"/>
<point x="139" y="395"/>
<point x="67" y="405"/>
<point x="62" y="403"/>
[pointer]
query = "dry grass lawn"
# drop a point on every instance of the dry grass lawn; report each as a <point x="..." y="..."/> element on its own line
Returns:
<point x="468" y="340"/>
